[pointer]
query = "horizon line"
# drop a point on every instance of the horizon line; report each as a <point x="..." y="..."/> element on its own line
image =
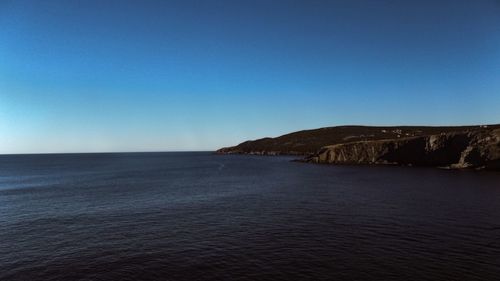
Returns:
<point x="213" y="150"/>
<point x="105" y="152"/>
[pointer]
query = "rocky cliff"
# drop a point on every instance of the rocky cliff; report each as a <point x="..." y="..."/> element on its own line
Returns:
<point x="478" y="149"/>
<point x="308" y="142"/>
<point x="475" y="147"/>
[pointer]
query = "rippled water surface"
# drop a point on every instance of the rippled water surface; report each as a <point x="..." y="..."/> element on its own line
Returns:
<point x="198" y="216"/>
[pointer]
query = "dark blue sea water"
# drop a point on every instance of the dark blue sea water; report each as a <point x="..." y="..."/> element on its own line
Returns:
<point x="198" y="216"/>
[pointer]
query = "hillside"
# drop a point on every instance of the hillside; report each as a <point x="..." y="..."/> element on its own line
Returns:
<point x="479" y="149"/>
<point x="308" y="142"/>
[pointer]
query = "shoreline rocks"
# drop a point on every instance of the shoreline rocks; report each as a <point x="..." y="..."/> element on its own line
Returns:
<point x="464" y="150"/>
<point x="465" y="147"/>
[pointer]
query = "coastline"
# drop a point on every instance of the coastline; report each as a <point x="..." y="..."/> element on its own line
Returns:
<point x="465" y="147"/>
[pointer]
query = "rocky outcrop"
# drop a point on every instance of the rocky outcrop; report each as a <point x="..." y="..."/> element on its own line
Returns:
<point x="474" y="147"/>
<point x="478" y="149"/>
<point x="308" y="142"/>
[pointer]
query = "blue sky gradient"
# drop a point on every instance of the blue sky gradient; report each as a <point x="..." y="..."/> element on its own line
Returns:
<point x="82" y="76"/>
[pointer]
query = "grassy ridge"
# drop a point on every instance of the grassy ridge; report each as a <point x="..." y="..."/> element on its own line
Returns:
<point x="310" y="141"/>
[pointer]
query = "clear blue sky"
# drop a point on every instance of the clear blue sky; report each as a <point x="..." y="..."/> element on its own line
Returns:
<point x="79" y="76"/>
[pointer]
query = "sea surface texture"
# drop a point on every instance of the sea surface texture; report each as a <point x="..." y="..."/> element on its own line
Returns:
<point x="199" y="216"/>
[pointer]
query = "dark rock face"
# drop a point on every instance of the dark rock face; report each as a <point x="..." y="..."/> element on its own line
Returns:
<point x="469" y="149"/>
<point x="476" y="147"/>
<point x="308" y="142"/>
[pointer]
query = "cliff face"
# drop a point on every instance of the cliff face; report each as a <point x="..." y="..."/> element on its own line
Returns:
<point x="479" y="149"/>
<point x="308" y="142"/>
<point x="476" y="147"/>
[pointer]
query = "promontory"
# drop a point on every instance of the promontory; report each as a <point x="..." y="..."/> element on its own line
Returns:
<point x="460" y="147"/>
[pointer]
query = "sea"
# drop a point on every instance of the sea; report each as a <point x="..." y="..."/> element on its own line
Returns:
<point x="201" y="216"/>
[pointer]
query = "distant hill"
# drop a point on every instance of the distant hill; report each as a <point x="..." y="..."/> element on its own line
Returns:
<point x="308" y="142"/>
